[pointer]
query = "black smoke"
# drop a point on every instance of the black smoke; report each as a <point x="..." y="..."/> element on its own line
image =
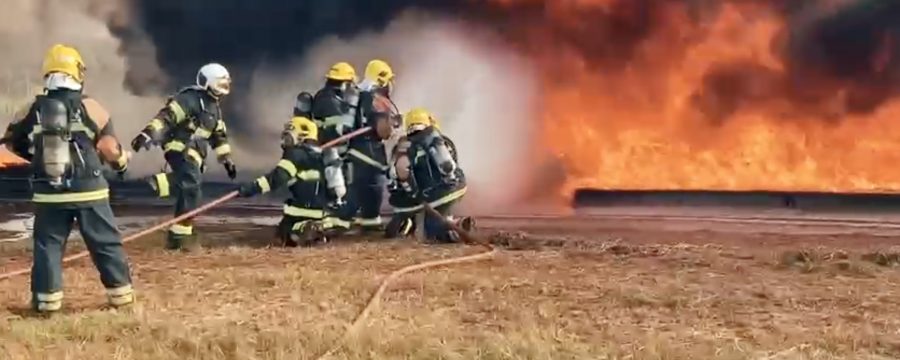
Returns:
<point x="851" y="46"/>
<point x="241" y="34"/>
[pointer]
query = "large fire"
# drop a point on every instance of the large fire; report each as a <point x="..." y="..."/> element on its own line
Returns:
<point x="9" y="159"/>
<point x="702" y="104"/>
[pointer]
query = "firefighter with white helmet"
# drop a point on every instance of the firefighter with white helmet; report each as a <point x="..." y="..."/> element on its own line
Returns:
<point x="425" y="171"/>
<point x="189" y="124"/>
<point x="300" y="169"/>
<point x="68" y="137"/>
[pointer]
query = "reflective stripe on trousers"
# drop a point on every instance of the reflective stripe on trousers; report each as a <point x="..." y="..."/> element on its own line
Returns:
<point x="303" y="212"/>
<point x="376" y="221"/>
<point x="49" y="301"/>
<point x="71" y="197"/>
<point x="119" y="296"/>
<point x="184" y="230"/>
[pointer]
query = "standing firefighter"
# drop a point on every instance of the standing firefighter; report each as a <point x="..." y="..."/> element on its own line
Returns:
<point x="367" y="158"/>
<point x="67" y="137"/>
<point x="300" y="168"/>
<point x="190" y="121"/>
<point x="425" y="171"/>
<point x="334" y="111"/>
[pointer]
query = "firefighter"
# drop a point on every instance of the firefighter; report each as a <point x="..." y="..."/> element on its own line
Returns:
<point x="333" y="111"/>
<point x="190" y="122"/>
<point x="68" y="137"/>
<point x="367" y="160"/>
<point x="425" y="171"/>
<point x="300" y="169"/>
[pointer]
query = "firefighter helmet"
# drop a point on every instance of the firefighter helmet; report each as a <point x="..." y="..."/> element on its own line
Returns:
<point x="417" y="119"/>
<point x="299" y="129"/>
<point x="341" y="71"/>
<point x="66" y="60"/>
<point x="379" y="72"/>
<point x="214" y="78"/>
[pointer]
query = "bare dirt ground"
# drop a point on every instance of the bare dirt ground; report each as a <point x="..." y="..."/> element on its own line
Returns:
<point x="560" y="289"/>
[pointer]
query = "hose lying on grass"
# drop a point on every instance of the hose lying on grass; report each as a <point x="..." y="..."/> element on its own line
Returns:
<point x="354" y="326"/>
<point x="186" y="216"/>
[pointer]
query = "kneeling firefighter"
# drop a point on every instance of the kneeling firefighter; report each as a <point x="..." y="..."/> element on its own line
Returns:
<point x="334" y="111"/>
<point x="189" y="123"/>
<point x="424" y="171"/>
<point x="300" y="169"/>
<point x="68" y="136"/>
<point x="366" y="159"/>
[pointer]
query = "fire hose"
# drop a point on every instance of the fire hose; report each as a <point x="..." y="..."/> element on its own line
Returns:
<point x="466" y="237"/>
<point x="374" y="299"/>
<point x="183" y="217"/>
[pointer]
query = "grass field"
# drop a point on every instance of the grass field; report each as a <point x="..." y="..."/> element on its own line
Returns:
<point x="615" y="294"/>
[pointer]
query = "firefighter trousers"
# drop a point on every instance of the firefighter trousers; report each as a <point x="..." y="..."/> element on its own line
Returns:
<point x="300" y="231"/>
<point x="302" y="224"/>
<point x="403" y="223"/>
<point x="52" y="226"/>
<point x="436" y="228"/>
<point x="365" y="192"/>
<point x="183" y="182"/>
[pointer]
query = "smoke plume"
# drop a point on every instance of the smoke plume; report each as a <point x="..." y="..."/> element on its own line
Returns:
<point x="829" y="46"/>
<point x="138" y="51"/>
<point x="482" y="95"/>
<point x="30" y="27"/>
<point x="481" y="66"/>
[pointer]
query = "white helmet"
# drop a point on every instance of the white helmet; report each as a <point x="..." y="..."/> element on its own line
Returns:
<point x="214" y="78"/>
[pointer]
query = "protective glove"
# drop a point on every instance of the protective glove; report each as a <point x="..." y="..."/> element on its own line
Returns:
<point x="141" y="141"/>
<point x="247" y="190"/>
<point x="230" y="168"/>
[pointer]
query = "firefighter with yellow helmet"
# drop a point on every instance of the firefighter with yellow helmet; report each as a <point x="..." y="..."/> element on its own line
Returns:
<point x="366" y="158"/>
<point x="68" y="137"/>
<point x="334" y="110"/>
<point x="189" y="124"/>
<point x="300" y="169"/>
<point x="425" y="171"/>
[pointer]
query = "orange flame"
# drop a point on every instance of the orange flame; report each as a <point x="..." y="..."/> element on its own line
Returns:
<point x="653" y="123"/>
<point x="9" y="159"/>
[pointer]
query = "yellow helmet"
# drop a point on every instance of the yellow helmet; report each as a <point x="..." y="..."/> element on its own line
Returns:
<point x="303" y="128"/>
<point x="434" y="122"/>
<point x="342" y="72"/>
<point x="64" y="59"/>
<point x="380" y="72"/>
<point x="418" y="117"/>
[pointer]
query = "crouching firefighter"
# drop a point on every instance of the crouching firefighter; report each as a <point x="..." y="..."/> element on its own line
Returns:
<point x="424" y="171"/>
<point x="334" y="112"/>
<point x="190" y="122"/>
<point x="68" y="137"/>
<point x="366" y="161"/>
<point x="299" y="169"/>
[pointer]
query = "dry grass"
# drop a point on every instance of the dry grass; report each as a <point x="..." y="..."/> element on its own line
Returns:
<point x="574" y="298"/>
